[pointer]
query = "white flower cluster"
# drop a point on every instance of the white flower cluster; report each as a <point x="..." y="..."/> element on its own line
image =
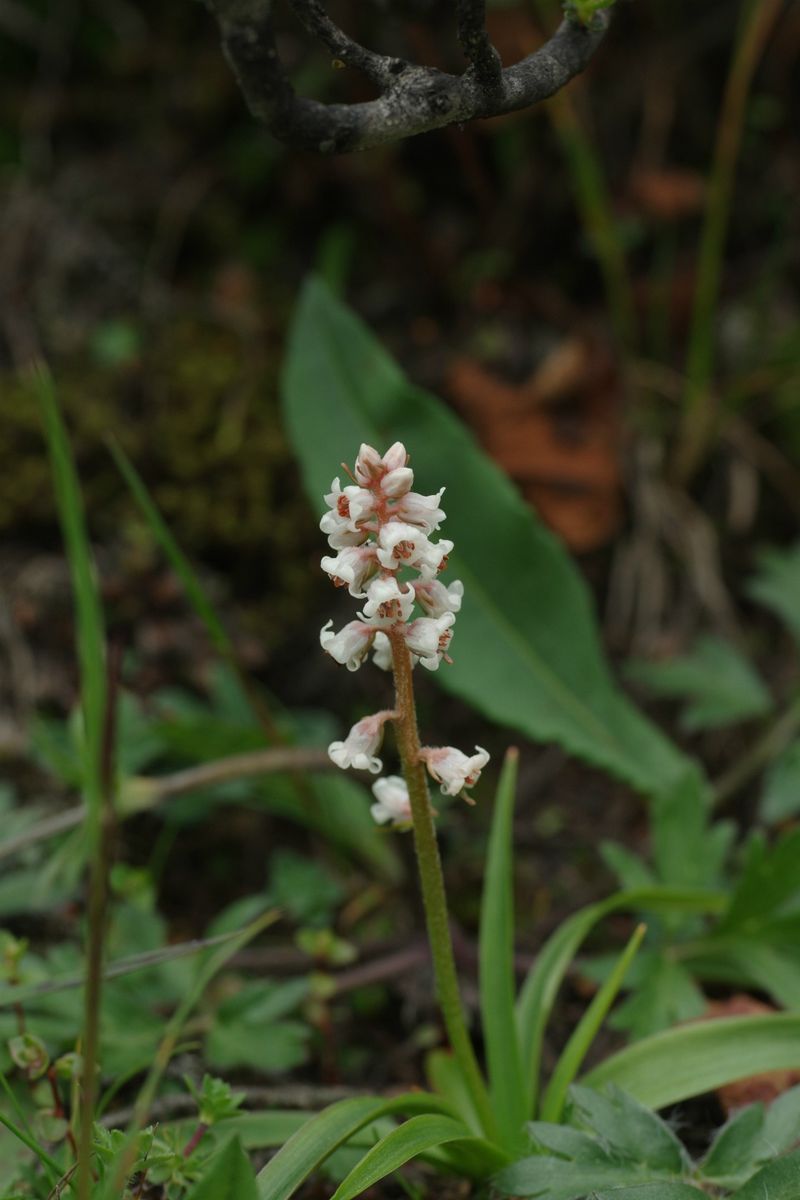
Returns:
<point x="381" y="532"/>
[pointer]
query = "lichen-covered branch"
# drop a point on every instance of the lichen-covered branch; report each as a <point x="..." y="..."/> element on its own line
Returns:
<point x="414" y="99"/>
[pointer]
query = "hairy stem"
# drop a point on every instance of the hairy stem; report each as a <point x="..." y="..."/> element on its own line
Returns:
<point x="432" y="881"/>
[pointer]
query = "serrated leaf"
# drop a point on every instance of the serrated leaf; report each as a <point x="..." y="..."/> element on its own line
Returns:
<point x="629" y="1129"/>
<point x="532" y="659"/>
<point x="403" y="1144"/>
<point x="665" y="996"/>
<point x="230" y="1177"/>
<point x="566" y="1142"/>
<point x="780" y="1180"/>
<point x="556" y="1179"/>
<point x="781" y="798"/>
<point x="717" y="682"/>
<point x="770" y="879"/>
<point x="738" y="1146"/>
<point x="688" y="850"/>
<point x="776" y="585"/>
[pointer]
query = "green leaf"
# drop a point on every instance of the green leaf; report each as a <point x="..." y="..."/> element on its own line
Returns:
<point x="532" y="657"/>
<point x="693" y="1059"/>
<point x="666" y="995"/>
<point x="777" y="586"/>
<point x="688" y="850"/>
<point x="719" y="684"/>
<point x="576" y="1049"/>
<point x="771" y="879"/>
<point x="230" y="1176"/>
<point x="88" y="609"/>
<point x="780" y="1180"/>
<point x="782" y="1121"/>
<point x="312" y="1144"/>
<point x="538" y="993"/>
<point x="754" y="962"/>
<point x="781" y="798"/>
<point x="447" y="1080"/>
<point x="496" y="962"/>
<point x="629" y="1129"/>
<point x="738" y="1146"/>
<point x="403" y="1144"/>
<point x="558" y="1179"/>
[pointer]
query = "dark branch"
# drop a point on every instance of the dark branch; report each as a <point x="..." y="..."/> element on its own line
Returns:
<point x="476" y="45"/>
<point x="413" y="99"/>
<point x="377" y="67"/>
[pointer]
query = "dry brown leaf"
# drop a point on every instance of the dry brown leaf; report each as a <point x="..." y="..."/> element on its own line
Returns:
<point x="557" y="435"/>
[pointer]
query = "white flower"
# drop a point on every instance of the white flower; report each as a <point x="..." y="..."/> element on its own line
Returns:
<point x="453" y="769"/>
<point x="388" y="603"/>
<point x="349" y="508"/>
<point x="351" y="568"/>
<point x="392" y="799"/>
<point x="438" y="599"/>
<point x="382" y="652"/>
<point x="429" y="637"/>
<point x="350" y="645"/>
<point x="402" y="545"/>
<point x="359" y="747"/>
<point x="423" y="511"/>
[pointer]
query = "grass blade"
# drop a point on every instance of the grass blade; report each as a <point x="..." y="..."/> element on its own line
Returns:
<point x="324" y="1133"/>
<point x="403" y="1144"/>
<point x="496" y="966"/>
<point x="177" y="559"/>
<point x="538" y="993"/>
<point x="574" y="1052"/>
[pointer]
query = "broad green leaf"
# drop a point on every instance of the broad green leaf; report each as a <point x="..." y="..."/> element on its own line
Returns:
<point x="539" y="991"/>
<point x="576" y="1049"/>
<point x="718" y="683"/>
<point x="780" y="1180"/>
<point x="738" y="1146"/>
<point x="230" y="1176"/>
<point x="403" y="1144"/>
<point x="628" y="1129"/>
<point x="497" y="981"/>
<point x="781" y="798"/>
<point x="531" y="657"/>
<point x="693" y="1059"/>
<point x="776" y="585"/>
<point x="312" y="1144"/>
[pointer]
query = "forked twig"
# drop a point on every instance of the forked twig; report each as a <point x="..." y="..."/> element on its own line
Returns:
<point x="413" y="99"/>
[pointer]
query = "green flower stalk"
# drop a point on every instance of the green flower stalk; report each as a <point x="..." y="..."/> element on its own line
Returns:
<point x="381" y="531"/>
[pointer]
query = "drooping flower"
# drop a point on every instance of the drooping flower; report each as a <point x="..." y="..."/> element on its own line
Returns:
<point x="350" y="645"/>
<point x="358" y="750"/>
<point x="419" y="510"/>
<point x="387" y="602"/>
<point x="352" y="567"/>
<point x="429" y="637"/>
<point x="436" y="599"/>
<point x="453" y="769"/>
<point x="392" y="801"/>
